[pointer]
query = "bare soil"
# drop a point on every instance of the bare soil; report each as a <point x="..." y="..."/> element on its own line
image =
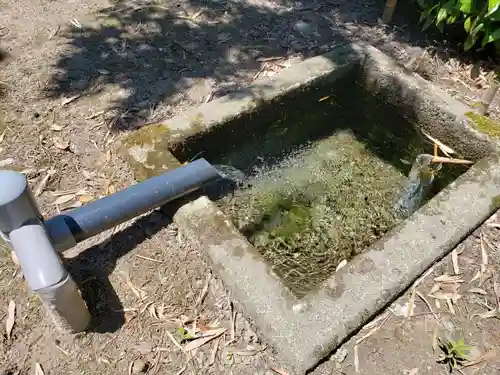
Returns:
<point x="77" y="75"/>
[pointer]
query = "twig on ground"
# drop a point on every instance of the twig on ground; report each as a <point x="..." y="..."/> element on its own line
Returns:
<point x="204" y="291"/>
<point x="174" y="341"/>
<point x="233" y="322"/>
<point x="148" y="258"/>
<point x="454" y="259"/>
<point x="429" y="307"/>
<point x="213" y="354"/>
<point x="364" y="337"/>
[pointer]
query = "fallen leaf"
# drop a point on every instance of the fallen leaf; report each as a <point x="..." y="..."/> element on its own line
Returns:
<point x="76" y="204"/>
<point x="246" y="352"/>
<point x="138" y="367"/>
<point x="63" y="199"/>
<point x="449" y="288"/>
<point x="94" y="115"/>
<point x="278" y="371"/>
<point x="411" y="304"/>
<point x="445" y="296"/>
<point x="341" y="265"/>
<point x="489" y="314"/>
<point x="11" y="318"/>
<point x="413" y="371"/>
<point x="2" y="136"/>
<point x="43" y="183"/>
<point x="484" y="254"/>
<point x="60" y="143"/>
<point x="38" y="369"/>
<point x="213" y="354"/>
<point x="103" y="72"/>
<point x="449" y="279"/>
<point x="454" y="258"/>
<point x="450" y="306"/>
<point x="6" y="162"/>
<point x="66" y="101"/>
<point x="196" y="343"/>
<point x="268" y="59"/>
<point x="340" y="355"/>
<point x="204" y="291"/>
<point x="181" y="370"/>
<point x="446" y="149"/>
<point x="56" y="128"/>
<point x="478" y="291"/>
<point x="86" y="198"/>
<point x="14" y="258"/>
<point x="141" y="294"/>
<point x="435" y="338"/>
<point x="356" y="359"/>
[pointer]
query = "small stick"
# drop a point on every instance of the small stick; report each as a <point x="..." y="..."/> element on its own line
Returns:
<point x="441" y="159"/>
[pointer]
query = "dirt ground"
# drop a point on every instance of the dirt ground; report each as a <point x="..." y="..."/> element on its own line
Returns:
<point x="77" y="75"/>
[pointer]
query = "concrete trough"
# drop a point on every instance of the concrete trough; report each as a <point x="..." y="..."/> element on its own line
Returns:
<point x="304" y="329"/>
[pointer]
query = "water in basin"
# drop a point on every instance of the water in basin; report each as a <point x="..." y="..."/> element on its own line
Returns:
<point x="318" y="180"/>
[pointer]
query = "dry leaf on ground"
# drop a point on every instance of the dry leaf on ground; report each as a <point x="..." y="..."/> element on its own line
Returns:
<point x="64" y="199"/>
<point x="43" y="183"/>
<point x="6" y="162"/>
<point x="66" y="101"/>
<point x="495" y="313"/>
<point x="38" y="369"/>
<point x="478" y="291"/>
<point x="198" y="342"/>
<point x="449" y="279"/>
<point x="279" y="371"/>
<point x="86" y="198"/>
<point x="60" y="143"/>
<point x="454" y="258"/>
<point x="56" y="128"/>
<point x="341" y="265"/>
<point x="11" y="318"/>
<point x="204" y="291"/>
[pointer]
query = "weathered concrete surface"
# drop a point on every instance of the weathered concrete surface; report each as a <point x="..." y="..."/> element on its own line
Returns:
<point x="304" y="331"/>
<point x="424" y="104"/>
<point x="418" y="100"/>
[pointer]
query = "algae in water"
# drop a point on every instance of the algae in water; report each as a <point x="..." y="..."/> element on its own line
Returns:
<point x="322" y="204"/>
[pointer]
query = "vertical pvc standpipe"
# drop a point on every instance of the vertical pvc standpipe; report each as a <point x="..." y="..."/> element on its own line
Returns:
<point x="21" y="223"/>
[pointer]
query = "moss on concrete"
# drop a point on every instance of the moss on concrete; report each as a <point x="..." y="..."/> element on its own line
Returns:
<point x="147" y="151"/>
<point x="485" y="124"/>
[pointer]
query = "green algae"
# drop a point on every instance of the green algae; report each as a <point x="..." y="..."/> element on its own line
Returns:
<point x="485" y="124"/>
<point x="322" y="205"/>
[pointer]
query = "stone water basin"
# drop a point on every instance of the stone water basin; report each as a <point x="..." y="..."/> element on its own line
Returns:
<point x="316" y="158"/>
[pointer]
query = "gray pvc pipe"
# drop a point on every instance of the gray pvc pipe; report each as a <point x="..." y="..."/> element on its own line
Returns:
<point x="46" y="276"/>
<point x="79" y="224"/>
<point x="21" y="224"/>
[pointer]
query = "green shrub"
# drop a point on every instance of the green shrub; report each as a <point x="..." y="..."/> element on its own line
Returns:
<point x="480" y="19"/>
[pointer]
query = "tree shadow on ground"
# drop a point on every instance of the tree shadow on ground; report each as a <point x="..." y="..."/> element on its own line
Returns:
<point x="151" y="52"/>
<point x="91" y="270"/>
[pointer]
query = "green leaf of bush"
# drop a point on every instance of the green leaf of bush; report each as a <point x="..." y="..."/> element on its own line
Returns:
<point x="493" y="5"/>
<point x="468" y="24"/>
<point x="466" y="6"/>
